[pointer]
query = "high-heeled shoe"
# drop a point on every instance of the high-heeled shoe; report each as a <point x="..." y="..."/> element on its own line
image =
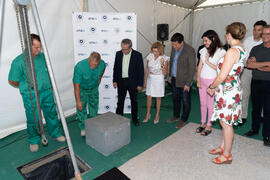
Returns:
<point x="156" y="121"/>
<point x="217" y="151"/>
<point x="147" y="119"/>
<point x="228" y="159"/>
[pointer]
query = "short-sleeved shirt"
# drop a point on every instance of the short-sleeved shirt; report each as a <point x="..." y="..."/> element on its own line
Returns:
<point x="154" y="65"/>
<point x="86" y="76"/>
<point x="249" y="43"/>
<point x="262" y="54"/>
<point x="17" y="73"/>
<point x="207" y="72"/>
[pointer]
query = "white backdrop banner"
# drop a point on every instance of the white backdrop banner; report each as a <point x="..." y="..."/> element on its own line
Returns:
<point x="103" y="32"/>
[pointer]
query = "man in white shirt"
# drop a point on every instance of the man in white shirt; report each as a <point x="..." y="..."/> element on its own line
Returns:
<point x="246" y="76"/>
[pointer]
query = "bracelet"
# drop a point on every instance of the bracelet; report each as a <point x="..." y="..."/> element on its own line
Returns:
<point x="210" y="87"/>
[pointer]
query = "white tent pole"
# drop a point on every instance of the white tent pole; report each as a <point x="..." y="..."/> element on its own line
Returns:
<point x="85" y="5"/>
<point x="2" y="5"/>
<point x="57" y="97"/>
<point x="191" y="20"/>
<point x="229" y="4"/>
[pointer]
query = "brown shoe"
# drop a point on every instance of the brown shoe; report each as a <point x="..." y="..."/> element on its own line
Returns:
<point x="180" y="124"/>
<point x="172" y="119"/>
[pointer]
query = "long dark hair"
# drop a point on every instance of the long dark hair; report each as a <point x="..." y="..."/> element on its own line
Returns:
<point x="216" y="43"/>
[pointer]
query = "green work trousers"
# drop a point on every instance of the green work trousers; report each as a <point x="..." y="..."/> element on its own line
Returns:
<point x="89" y="98"/>
<point x="48" y="108"/>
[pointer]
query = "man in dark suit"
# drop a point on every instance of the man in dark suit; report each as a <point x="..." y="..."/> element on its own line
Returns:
<point x="128" y="75"/>
<point x="182" y="70"/>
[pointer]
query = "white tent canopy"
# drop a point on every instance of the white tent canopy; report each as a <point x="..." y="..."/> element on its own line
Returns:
<point x="189" y="17"/>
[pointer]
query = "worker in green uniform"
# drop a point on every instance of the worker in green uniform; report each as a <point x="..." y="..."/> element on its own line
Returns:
<point x="17" y="78"/>
<point x="86" y="80"/>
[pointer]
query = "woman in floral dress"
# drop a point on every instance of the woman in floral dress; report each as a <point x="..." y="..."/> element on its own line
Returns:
<point x="227" y="90"/>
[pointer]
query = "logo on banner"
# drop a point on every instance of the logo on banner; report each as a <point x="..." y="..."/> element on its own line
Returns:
<point x="92" y="18"/>
<point x="106" y="98"/>
<point x="93" y="42"/>
<point x="92" y="29"/>
<point x="79" y="17"/>
<point x="117" y="43"/>
<point x="105" y="54"/>
<point x="106" y="86"/>
<point x="105" y="18"/>
<point x="80" y="30"/>
<point x="129" y="107"/>
<point x="82" y="54"/>
<point x="106" y="77"/>
<point x="104" y="30"/>
<point x="129" y="31"/>
<point x="107" y="107"/>
<point x="82" y="42"/>
<point x="105" y="41"/>
<point x="117" y="30"/>
<point x="116" y="18"/>
<point x="129" y="18"/>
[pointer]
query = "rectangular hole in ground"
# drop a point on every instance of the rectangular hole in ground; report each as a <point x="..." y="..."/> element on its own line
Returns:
<point x="55" y="165"/>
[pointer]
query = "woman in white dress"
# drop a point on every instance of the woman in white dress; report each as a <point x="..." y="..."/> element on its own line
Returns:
<point x="156" y="69"/>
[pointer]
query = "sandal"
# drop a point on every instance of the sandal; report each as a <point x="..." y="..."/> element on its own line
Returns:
<point x="147" y="119"/>
<point x="228" y="159"/>
<point x="156" y="121"/>
<point x="206" y="132"/>
<point x="217" y="151"/>
<point x="200" y="129"/>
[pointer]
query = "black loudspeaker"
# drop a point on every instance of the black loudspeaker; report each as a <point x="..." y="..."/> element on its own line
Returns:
<point x="162" y="32"/>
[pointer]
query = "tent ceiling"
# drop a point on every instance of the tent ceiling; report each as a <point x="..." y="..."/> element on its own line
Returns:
<point x="190" y="4"/>
<point x="183" y="3"/>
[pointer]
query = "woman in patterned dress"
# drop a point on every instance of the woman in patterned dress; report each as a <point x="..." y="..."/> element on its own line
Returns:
<point x="156" y="69"/>
<point x="227" y="90"/>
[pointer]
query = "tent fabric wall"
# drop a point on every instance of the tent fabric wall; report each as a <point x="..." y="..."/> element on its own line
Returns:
<point x="148" y="17"/>
<point x="218" y="18"/>
<point x="57" y="26"/>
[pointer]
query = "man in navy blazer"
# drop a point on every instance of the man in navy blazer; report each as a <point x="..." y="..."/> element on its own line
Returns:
<point x="128" y="75"/>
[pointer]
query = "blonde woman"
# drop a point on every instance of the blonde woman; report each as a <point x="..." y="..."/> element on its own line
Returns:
<point x="156" y="69"/>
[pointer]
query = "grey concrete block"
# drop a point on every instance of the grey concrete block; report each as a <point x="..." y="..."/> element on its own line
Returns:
<point x="107" y="133"/>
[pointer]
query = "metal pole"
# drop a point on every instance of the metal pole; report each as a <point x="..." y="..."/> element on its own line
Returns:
<point x="191" y="26"/>
<point x="30" y="59"/>
<point x="55" y="90"/>
<point x="2" y="5"/>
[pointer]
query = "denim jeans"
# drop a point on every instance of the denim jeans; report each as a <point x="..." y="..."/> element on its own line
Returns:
<point x="180" y="96"/>
<point x="260" y="94"/>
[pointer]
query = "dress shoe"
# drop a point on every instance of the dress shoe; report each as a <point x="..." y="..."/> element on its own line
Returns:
<point x="61" y="139"/>
<point x="147" y="119"/>
<point x="261" y="120"/>
<point x="33" y="147"/>
<point x="82" y="132"/>
<point x="180" y="124"/>
<point x="251" y="133"/>
<point x="172" y="119"/>
<point x="136" y="123"/>
<point x="244" y="120"/>
<point x="266" y="141"/>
